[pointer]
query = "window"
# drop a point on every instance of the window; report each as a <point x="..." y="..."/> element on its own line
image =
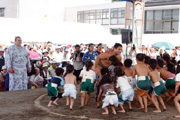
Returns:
<point x="102" y="16"/>
<point x="117" y="16"/>
<point x="80" y="17"/>
<point x="105" y="17"/>
<point x="2" y="12"/>
<point x="116" y="31"/>
<point x="162" y="21"/>
<point x="98" y="16"/>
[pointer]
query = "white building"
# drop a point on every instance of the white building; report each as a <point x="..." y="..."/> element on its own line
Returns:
<point x="161" y="18"/>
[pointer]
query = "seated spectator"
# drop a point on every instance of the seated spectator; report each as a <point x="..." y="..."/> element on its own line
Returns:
<point x="2" y="78"/>
<point x="36" y="80"/>
<point x="66" y="56"/>
<point x="45" y="54"/>
<point x="45" y="74"/>
<point x="52" y="68"/>
<point x="2" y="60"/>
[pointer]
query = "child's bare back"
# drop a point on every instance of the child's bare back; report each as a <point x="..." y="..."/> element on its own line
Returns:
<point x="164" y="73"/>
<point x="128" y="72"/>
<point x="140" y="69"/>
<point x="154" y="75"/>
<point x="70" y="79"/>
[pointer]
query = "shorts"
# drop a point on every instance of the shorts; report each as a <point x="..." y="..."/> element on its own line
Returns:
<point x="126" y="96"/>
<point x="170" y="84"/>
<point x="145" y="84"/>
<point x="150" y="91"/>
<point x="110" y="100"/>
<point x="87" y="86"/>
<point x="142" y="92"/>
<point x="160" y="89"/>
<point x="70" y="90"/>
<point x="53" y="91"/>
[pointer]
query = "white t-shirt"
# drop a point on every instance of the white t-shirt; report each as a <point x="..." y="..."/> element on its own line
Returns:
<point x="123" y="83"/>
<point x="178" y="78"/>
<point x="66" y="58"/>
<point x="35" y="79"/>
<point x="88" y="75"/>
<point x="58" y="56"/>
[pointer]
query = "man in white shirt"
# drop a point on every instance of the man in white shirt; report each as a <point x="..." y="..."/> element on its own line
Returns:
<point x="58" y="55"/>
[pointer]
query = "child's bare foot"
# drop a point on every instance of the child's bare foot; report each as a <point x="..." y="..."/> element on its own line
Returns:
<point x="150" y="103"/>
<point x="177" y="116"/>
<point x="87" y="104"/>
<point x="105" y="113"/>
<point x="80" y="107"/>
<point x="157" y="111"/>
<point x="145" y="111"/>
<point x="49" y="105"/>
<point x="55" y="103"/>
<point x="141" y="108"/>
<point x="98" y="106"/>
<point x="164" y="109"/>
<point x="114" y="112"/>
<point x="121" y="111"/>
<point x="130" y="108"/>
<point x="67" y="104"/>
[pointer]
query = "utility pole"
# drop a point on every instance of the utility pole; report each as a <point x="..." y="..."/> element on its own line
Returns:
<point x="137" y="22"/>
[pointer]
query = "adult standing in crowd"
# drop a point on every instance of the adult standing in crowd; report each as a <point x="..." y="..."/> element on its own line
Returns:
<point x="99" y="49"/>
<point x="2" y="78"/>
<point x="18" y="63"/>
<point x="77" y="62"/>
<point x="90" y="54"/>
<point x="1" y="58"/>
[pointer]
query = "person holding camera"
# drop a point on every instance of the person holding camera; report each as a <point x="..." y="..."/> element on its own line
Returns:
<point x="77" y="62"/>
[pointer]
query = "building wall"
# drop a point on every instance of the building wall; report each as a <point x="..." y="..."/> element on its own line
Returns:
<point x="50" y="9"/>
<point x="41" y="9"/>
<point x="167" y="37"/>
<point x="11" y="8"/>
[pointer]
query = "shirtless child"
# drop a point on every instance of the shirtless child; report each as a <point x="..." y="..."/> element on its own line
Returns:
<point x="168" y="77"/>
<point x="159" y="87"/>
<point x="143" y="83"/>
<point x="70" y="86"/>
<point x="129" y="73"/>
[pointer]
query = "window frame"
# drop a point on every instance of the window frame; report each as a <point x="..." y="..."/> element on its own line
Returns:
<point x="171" y="20"/>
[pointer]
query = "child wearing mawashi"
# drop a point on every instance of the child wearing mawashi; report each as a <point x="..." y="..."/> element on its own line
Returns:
<point x="159" y="87"/>
<point x="87" y="86"/>
<point x="143" y="82"/>
<point x="70" y="86"/>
